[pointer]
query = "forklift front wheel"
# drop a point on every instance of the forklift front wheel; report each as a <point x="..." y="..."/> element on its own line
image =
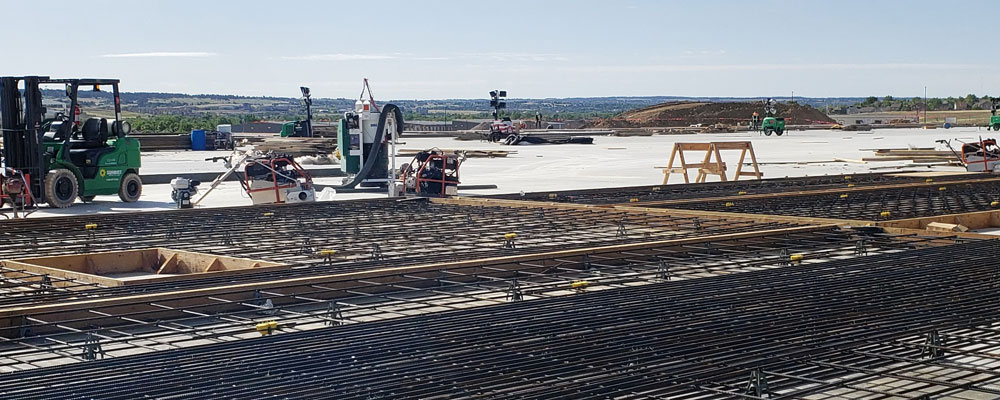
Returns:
<point x="60" y="188"/>
<point x="131" y="188"/>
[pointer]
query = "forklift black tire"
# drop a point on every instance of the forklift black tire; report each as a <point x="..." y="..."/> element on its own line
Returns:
<point x="87" y="199"/>
<point x="996" y="127"/>
<point x="779" y="132"/>
<point x="61" y="188"/>
<point x="131" y="188"/>
<point x="767" y="132"/>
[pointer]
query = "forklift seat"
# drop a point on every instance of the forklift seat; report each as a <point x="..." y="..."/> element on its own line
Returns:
<point x="58" y="132"/>
<point x="94" y="134"/>
<point x="86" y="152"/>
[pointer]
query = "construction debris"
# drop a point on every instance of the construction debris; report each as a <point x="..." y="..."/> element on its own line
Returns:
<point x="467" y="153"/>
<point x="920" y="154"/>
<point x="298" y="146"/>
<point x="943" y="227"/>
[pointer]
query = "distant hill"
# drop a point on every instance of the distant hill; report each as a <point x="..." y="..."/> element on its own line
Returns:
<point x="684" y="113"/>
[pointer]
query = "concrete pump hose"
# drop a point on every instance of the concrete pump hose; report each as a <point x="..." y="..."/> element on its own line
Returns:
<point x="379" y="137"/>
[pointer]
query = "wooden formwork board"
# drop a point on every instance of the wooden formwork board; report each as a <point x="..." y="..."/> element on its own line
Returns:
<point x="924" y="232"/>
<point x="639" y="208"/>
<point x="972" y="220"/>
<point x="147" y="265"/>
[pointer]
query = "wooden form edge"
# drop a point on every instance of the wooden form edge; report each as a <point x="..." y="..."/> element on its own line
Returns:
<point x="318" y="279"/>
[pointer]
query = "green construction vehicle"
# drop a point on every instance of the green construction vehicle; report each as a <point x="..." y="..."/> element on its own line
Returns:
<point x="56" y="159"/>
<point x="771" y="124"/>
<point x="994" y="118"/>
<point x="300" y="128"/>
<point x="774" y="125"/>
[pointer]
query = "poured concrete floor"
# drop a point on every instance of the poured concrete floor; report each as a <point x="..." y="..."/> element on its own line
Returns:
<point x="609" y="162"/>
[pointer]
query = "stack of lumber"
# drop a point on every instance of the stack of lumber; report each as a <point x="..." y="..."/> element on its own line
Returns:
<point x="150" y="142"/>
<point x="919" y="154"/>
<point x="324" y="131"/>
<point x="468" y="153"/>
<point x="298" y="146"/>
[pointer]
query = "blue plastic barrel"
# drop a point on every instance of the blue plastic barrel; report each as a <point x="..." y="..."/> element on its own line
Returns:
<point x="198" y="139"/>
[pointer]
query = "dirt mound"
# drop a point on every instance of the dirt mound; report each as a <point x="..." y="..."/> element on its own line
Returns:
<point x="691" y="113"/>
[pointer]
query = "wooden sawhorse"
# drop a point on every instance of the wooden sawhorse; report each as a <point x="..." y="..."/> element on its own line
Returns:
<point x="708" y="166"/>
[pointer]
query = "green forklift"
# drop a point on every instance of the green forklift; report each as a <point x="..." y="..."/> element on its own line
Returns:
<point x="55" y="159"/>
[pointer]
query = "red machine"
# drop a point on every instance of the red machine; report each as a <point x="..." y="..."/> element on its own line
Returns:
<point x="15" y="191"/>
<point x="432" y="173"/>
<point x="981" y="157"/>
<point x="277" y="179"/>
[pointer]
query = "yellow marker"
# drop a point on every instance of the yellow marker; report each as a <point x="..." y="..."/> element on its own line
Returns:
<point x="741" y="192"/>
<point x="795" y="257"/>
<point x="580" y="284"/>
<point x="267" y="327"/>
<point x="850" y="185"/>
<point x="885" y="214"/>
<point x="942" y="188"/>
<point x="90" y="226"/>
<point x="843" y="196"/>
<point x="327" y="252"/>
<point x="928" y="180"/>
<point x="633" y="200"/>
<point x="847" y="177"/>
<point x="510" y="236"/>
<point x="552" y="195"/>
<point x="730" y="204"/>
<point x="994" y="203"/>
<point x="656" y="188"/>
<point x="269" y="214"/>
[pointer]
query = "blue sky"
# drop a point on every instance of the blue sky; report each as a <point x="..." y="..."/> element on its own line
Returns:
<point x="462" y="49"/>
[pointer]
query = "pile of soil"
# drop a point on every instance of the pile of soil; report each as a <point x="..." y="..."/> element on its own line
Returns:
<point x="692" y="113"/>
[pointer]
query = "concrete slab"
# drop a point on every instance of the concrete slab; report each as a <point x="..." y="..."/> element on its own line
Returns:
<point x="610" y="161"/>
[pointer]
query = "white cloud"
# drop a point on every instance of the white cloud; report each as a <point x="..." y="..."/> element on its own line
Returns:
<point x="342" y="57"/>
<point x="505" y="57"/>
<point x="162" y="54"/>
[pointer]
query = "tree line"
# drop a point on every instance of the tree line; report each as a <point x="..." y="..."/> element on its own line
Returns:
<point x="183" y="123"/>
<point x="889" y="103"/>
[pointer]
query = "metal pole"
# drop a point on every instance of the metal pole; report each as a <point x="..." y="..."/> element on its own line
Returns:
<point x="925" y="104"/>
<point x="392" y="158"/>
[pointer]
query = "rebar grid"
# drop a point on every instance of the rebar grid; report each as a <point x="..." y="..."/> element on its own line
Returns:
<point x="745" y="290"/>
<point x="870" y="205"/>
<point x="731" y="188"/>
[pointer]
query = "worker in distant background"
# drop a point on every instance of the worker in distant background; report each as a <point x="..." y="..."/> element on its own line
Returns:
<point x="755" y="121"/>
<point x="538" y="120"/>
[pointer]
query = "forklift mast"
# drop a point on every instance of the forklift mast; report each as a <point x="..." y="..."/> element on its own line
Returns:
<point x="22" y="122"/>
